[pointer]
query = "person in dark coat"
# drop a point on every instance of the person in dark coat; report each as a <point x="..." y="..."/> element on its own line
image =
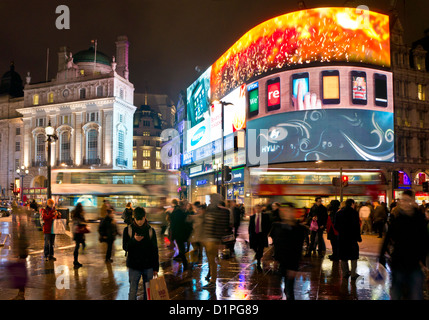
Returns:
<point x="288" y="237"/>
<point x="108" y="231"/>
<point x="259" y="227"/>
<point x="141" y="247"/>
<point x="79" y="222"/>
<point x="179" y="230"/>
<point x="380" y="218"/>
<point x="127" y="215"/>
<point x="321" y="212"/>
<point x="332" y="233"/>
<point x="407" y="239"/>
<point x="348" y="227"/>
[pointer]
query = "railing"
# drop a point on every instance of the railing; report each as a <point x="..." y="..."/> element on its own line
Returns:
<point x="68" y="162"/>
<point x="39" y="163"/>
<point x="91" y="161"/>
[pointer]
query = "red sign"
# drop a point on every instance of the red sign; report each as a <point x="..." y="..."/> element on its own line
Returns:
<point x="274" y="94"/>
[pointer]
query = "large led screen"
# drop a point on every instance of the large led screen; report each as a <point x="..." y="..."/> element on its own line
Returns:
<point x="325" y="134"/>
<point x="320" y="35"/>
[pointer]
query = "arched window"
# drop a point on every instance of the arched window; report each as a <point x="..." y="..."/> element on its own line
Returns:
<point x="40" y="148"/>
<point x="35" y="99"/>
<point x="50" y="97"/>
<point x="99" y="91"/>
<point x="92" y="144"/>
<point x="121" y="147"/>
<point x="65" y="146"/>
<point x="82" y="93"/>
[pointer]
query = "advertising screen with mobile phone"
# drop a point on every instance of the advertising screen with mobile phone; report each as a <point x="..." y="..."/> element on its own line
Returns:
<point x="273" y="94"/>
<point x="359" y="87"/>
<point x="253" y="94"/>
<point x="331" y="87"/>
<point x="300" y="87"/>
<point x="380" y="83"/>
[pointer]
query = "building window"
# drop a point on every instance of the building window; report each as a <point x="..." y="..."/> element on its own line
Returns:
<point x="121" y="118"/>
<point x="92" y="144"/>
<point x="82" y="72"/>
<point x="82" y="93"/>
<point x="121" y="93"/>
<point x="158" y="154"/>
<point x="146" y="164"/>
<point x="18" y="131"/>
<point x="421" y="92"/>
<point x="40" y="147"/>
<point x="65" y="119"/>
<point x="99" y="91"/>
<point x="121" y="141"/>
<point x="134" y="143"/>
<point x="146" y="123"/>
<point x="92" y="116"/>
<point x="65" y="146"/>
<point x="134" y="164"/>
<point x="134" y="153"/>
<point x="40" y="122"/>
<point x="35" y="99"/>
<point x="50" y="97"/>
<point x="146" y="134"/>
<point x="16" y="164"/>
<point x="146" y="153"/>
<point x="158" y="164"/>
<point x="17" y="146"/>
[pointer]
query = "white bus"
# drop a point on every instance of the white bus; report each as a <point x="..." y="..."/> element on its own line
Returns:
<point x="151" y="189"/>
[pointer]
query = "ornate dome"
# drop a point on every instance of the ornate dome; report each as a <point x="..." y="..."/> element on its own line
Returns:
<point x="88" y="56"/>
<point x="11" y="83"/>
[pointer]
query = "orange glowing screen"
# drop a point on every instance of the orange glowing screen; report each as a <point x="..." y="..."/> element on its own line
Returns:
<point x="302" y="37"/>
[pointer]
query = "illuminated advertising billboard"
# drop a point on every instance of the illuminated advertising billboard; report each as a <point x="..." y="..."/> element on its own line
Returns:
<point x="321" y="35"/>
<point x="326" y="113"/>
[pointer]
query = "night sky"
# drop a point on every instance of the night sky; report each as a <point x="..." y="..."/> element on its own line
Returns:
<point x="168" y="38"/>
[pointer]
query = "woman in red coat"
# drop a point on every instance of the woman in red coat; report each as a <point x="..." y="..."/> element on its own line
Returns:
<point x="48" y="215"/>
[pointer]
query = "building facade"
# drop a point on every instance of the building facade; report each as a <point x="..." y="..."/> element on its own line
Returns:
<point x="90" y="105"/>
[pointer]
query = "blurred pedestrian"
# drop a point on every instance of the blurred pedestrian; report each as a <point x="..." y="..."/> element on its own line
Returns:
<point x="108" y="230"/>
<point x="319" y="210"/>
<point x="380" y="218"/>
<point x="407" y="241"/>
<point x="139" y="242"/>
<point x="332" y="233"/>
<point x="49" y="213"/>
<point x="14" y="211"/>
<point x="259" y="227"/>
<point x="197" y="236"/>
<point x="179" y="230"/>
<point x="347" y="225"/>
<point x="190" y="211"/>
<point x="275" y="212"/>
<point x="103" y="210"/>
<point x="236" y="216"/>
<point x="79" y="229"/>
<point x="365" y="217"/>
<point x="289" y="237"/>
<point x="17" y="267"/>
<point x="127" y="215"/>
<point x="216" y="225"/>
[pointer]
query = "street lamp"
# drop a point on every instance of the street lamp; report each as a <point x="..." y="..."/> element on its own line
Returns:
<point x="22" y="172"/>
<point x="50" y="133"/>
<point x="223" y="104"/>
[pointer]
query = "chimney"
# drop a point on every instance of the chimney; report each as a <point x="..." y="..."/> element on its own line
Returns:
<point x="62" y="58"/>
<point x="122" y="46"/>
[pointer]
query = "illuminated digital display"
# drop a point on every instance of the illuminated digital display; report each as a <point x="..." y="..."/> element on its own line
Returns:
<point x="331" y="87"/>
<point x="253" y="94"/>
<point x="359" y="88"/>
<point x="273" y="94"/>
<point x="329" y="134"/>
<point x="319" y="35"/>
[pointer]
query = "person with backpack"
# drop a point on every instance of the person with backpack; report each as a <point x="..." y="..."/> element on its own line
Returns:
<point x="127" y="215"/>
<point x="141" y="247"/>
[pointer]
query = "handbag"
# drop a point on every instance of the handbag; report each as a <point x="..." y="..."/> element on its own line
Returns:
<point x="314" y="226"/>
<point x="157" y="289"/>
<point x="58" y="226"/>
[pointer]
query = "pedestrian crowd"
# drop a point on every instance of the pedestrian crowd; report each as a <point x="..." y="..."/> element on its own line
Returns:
<point x="213" y="228"/>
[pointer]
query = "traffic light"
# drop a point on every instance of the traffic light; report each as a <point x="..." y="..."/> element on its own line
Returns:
<point x="336" y="182"/>
<point x="395" y="179"/>
<point x="12" y="187"/>
<point x="227" y="173"/>
<point x="345" y="181"/>
<point x="425" y="186"/>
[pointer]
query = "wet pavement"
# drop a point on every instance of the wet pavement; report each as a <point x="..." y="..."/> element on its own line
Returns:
<point x="238" y="278"/>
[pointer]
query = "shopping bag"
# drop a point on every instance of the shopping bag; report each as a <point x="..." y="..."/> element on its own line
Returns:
<point x="158" y="289"/>
<point x="58" y="226"/>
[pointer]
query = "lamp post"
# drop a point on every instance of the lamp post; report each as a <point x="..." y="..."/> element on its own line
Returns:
<point x="22" y="172"/>
<point x="50" y="133"/>
<point x="222" y="187"/>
